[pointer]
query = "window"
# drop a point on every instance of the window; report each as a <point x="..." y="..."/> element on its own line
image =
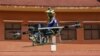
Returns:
<point x="11" y="29"/>
<point x="92" y="31"/>
<point x="69" y="33"/>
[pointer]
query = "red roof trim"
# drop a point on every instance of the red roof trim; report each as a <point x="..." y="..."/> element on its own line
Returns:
<point x="51" y="3"/>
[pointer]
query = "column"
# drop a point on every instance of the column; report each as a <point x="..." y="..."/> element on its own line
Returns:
<point x="25" y="37"/>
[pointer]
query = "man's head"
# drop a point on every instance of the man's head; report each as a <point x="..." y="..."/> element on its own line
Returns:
<point x="50" y="13"/>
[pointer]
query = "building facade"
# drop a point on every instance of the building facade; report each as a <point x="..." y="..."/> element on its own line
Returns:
<point x="14" y="17"/>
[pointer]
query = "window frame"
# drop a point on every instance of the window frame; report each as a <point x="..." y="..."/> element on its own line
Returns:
<point x="68" y="31"/>
<point x="91" y="31"/>
<point x="12" y="29"/>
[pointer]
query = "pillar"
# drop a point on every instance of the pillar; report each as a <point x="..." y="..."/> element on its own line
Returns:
<point x="2" y="30"/>
<point x="25" y="37"/>
<point x="80" y="34"/>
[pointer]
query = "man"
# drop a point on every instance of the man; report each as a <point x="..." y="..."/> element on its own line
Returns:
<point x="52" y="22"/>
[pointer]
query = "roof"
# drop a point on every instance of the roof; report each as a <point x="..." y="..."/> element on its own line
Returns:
<point x="52" y="3"/>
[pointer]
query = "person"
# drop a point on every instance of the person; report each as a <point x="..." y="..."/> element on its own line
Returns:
<point x="52" y="21"/>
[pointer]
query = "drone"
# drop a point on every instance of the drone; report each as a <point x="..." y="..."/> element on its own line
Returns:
<point x="40" y="34"/>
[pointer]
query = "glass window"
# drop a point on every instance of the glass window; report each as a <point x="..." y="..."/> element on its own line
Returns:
<point x="17" y="26"/>
<point x="91" y="31"/>
<point x="11" y="29"/>
<point x="69" y="33"/>
<point x="8" y="26"/>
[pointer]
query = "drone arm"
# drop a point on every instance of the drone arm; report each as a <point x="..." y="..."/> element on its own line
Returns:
<point x="71" y="26"/>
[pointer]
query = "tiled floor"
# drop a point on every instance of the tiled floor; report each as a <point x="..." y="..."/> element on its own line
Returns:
<point x="19" y="48"/>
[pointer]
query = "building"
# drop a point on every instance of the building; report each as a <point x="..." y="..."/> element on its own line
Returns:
<point x="15" y="15"/>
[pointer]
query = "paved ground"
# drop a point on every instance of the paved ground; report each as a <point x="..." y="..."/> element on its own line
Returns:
<point x="19" y="48"/>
